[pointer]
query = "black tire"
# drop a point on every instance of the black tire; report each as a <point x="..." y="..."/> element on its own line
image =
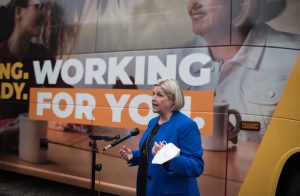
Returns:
<point x="289" y="181"/>
<point x="293" y="187"/>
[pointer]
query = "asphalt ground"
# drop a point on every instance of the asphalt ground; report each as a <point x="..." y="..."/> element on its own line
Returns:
<point x="14" y="184"/>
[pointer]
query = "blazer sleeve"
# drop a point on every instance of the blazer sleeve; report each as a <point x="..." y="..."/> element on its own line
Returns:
<point x="137" y="153"/>
<point x="136" y="158"/>
<point x="189" y="162"/>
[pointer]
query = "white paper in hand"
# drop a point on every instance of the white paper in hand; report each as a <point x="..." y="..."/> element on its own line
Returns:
<point x="166" y="153"/>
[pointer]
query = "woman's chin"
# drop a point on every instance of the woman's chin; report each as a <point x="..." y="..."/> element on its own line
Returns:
<point x="198" y="29"/>
<point x="154" y="110"/>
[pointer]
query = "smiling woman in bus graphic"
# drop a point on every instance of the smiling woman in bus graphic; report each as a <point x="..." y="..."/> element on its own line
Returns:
<point x="26" y="36"/>
<point x="248" y="67"/>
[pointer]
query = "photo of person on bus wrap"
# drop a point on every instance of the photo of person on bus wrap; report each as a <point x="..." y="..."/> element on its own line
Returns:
<point x="252" y="47"/>
<point x="248" y="66"/>
<point x="28" y="35"/>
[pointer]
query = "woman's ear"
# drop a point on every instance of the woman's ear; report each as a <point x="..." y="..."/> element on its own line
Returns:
<point x="18" y="13"/>
<point x="173" y="104"/>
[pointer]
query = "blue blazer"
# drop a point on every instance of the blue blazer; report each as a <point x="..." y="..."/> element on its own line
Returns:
<point x="178" y="176"/>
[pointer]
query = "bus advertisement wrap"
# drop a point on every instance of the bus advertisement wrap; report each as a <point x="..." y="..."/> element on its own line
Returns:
<point x="72" y="68"/>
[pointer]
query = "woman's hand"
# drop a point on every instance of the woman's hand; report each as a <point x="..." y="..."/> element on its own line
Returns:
<point x="126" y="153"/>
<point x="157" y="147"/>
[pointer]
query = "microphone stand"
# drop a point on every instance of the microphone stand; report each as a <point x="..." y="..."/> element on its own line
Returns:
<point x="97" y="167"/>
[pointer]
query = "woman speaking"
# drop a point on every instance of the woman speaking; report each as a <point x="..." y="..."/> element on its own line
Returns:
<point x="177" y="176"/>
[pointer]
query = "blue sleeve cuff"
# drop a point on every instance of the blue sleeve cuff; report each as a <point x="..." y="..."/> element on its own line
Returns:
<point x="136" y="158"/>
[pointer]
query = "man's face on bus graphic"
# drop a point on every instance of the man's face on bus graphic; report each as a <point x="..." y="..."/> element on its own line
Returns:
<point x="209" y="16"/>
<point x="29" y="19"/>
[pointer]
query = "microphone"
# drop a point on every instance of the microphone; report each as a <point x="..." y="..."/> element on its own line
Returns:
<point x="133" y="132"/>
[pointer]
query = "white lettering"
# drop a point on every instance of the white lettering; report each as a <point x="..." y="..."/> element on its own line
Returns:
<point x="85" y="104"/>
<point x="118" y="70"/>
<point x="69" y="105"/>
<point x="116" y="107"/>
<point x="77" y="71"/>
<point x="41" y="104"/>
<point x="52" y="75"/>
<point x="95" y="69"/>
<point x="134" y="111"/>
<point x="184" y="69"/>
<point x="140" y="69"/>
<point x="156" y="67"/>
<point x="62" y="104"/>
<point x="187" y="106"/>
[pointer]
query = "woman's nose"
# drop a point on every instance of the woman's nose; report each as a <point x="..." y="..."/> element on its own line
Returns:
<point x="153" y="97"/>
<point x="196" y="3"/>
<point x="192" y="4"/>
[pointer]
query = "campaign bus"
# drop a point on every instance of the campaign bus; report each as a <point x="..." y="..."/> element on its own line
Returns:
<point x="77" y="75"/>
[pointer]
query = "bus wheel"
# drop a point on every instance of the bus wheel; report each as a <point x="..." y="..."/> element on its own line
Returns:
<point x="289" y="181"/>
<point x="293" y="188"/>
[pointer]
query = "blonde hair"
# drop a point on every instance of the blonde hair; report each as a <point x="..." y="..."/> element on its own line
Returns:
<point x="172" y="90"/>
<point x="252" y="12"/>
